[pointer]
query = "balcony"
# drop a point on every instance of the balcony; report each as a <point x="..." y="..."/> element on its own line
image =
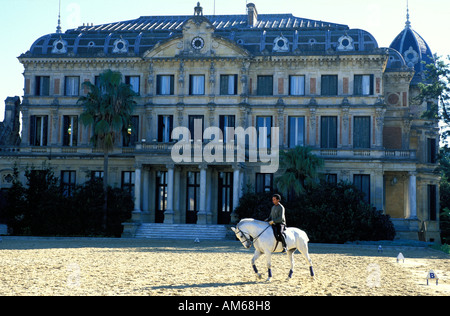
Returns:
<point x="165" y="149"/>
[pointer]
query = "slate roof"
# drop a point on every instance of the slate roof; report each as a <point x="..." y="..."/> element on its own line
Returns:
<point x="414" y="50"/>
<point x="304" y="36"/>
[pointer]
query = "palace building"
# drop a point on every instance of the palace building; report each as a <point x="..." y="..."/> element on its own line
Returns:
<point x="323" y="85"/>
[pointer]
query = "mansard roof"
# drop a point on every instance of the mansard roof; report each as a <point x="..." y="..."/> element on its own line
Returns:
<point x="414" y="50"/>
<point x="136" y="37"/>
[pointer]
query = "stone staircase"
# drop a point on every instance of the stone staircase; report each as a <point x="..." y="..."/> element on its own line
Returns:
<point x="184" y="231"/>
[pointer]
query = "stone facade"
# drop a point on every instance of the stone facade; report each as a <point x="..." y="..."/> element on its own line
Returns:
<point x="323" y="85"/>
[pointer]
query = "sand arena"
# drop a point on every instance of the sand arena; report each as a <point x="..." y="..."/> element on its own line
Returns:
<point x="40" y="266"/>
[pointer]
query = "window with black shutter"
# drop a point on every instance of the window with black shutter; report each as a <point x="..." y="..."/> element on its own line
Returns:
<point x="228" y="84"/>
<point x="361" y="132"/>
<point x="329" y="85"/>
<point x="70" y="130"/>
<point x="165" y="84"/>
<point x="328" y="132"/>
<point x="363" y="85"/>
<point x="265" y="85"/>
<point x="38" y="130"/>
<point x="42" y="86"/>
<point x="362" y="183"/>
<point x="165" y="127"/>
<point x="131" y="137"/>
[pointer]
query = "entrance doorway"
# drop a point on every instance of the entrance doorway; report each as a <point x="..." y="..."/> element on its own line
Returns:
<point x="225" y="198"/>
<point x="161" y="196"/>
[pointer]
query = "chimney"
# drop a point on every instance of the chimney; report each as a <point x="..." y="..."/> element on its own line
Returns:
<point x="252" y="15"/>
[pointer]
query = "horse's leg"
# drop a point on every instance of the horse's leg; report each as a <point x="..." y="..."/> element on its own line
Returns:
<point x="269" y="265"/>
<point x="255" y="257"/>
<point x="291" y="260"/>
<point x="303" y="248"/>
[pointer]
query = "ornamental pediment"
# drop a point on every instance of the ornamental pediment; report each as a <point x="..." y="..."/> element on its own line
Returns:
<point x="197" y="40"/>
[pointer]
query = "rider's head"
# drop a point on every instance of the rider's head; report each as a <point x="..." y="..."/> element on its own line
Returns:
<point x="276" y="198"/>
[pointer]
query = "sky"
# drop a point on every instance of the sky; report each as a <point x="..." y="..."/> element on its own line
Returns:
<point x="24" y="21"/>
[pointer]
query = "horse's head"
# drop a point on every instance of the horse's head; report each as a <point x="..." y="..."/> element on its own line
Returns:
<point x="243" y="237"/>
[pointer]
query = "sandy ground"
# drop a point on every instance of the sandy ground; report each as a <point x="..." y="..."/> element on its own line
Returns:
<point x="158" y="267"/>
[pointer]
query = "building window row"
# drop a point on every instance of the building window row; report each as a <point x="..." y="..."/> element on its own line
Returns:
<point x="363" y="85"/>
<point x="296" y="131"/>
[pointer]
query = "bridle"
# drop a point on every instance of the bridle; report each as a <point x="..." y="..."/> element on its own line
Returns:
<point x="251" y="240"/>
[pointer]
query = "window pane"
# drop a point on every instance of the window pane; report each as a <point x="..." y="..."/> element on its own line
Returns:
<point x="197" y="85"/>
<point x="72" y="86"/>
<point x="296" y="131"/>
<point x="297" y="85"/>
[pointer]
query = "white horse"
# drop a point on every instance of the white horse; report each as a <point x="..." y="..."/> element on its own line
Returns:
<point x="260" y="234"/>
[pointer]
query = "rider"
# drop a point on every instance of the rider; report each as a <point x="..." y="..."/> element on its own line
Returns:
<point x="277" y="219"/>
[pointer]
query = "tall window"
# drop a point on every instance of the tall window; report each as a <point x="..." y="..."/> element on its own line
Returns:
<point x="42" y="86"/>
<point x="128" y="181"/>
<point x="196" y="84"/>
<point x="165" y="84"/>
<point x="328" y="132"/>
<point x="131" y="136"/>
<point x="225" y="197"/>
<point x="296" y="131"/>
<point x="165" y="127"/>
<point x="361" y="132"/>
<point x="432" y="201"/>
<point x="193" y="197"/>
<point x="228" y="84"/>
<point x="161" y="195"/>
<point x="264" y="182"/>
<point x="72" y="86"/>
<point x="264" y="129"/>
<point x="431" y="150"/>
<point x="363" y="85"/>
<point x="134" y="82"/>
<point x="70" y="130"/>
<point x="297" y="85"/>
<point x="225" y="124"/>
<point x="38" y="130"/>
<point x="265" y="85"/>
<point x="196" y="127"/>
<point x="329" y="85"/>
<point x="68" y="182"/>
<point x="362" y="182"/>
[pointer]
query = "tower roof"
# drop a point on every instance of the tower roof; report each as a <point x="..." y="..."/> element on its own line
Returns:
<point x="414" y="50"/>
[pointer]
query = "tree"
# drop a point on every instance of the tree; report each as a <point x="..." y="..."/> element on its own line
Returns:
<point x="300" y="168"/>
<point x="107" y="107"/>
<point x="435" y="91"/>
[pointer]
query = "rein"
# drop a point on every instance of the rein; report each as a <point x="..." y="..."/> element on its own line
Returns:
<point x="251" y="240"/>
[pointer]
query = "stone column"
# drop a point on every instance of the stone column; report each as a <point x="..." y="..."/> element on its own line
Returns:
<point x="169" y="213"/>
<point x="412" y="190"/>
<point x="202" y="214"/>
<point x="137" y="188"/>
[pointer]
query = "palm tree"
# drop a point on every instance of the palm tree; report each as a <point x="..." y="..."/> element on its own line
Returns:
<point x="300" y="168"/>
<point x="107" y="107"/>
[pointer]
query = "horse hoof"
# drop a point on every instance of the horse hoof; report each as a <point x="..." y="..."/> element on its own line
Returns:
<point x="259" y="276"/>
<point x="269" y="280"/>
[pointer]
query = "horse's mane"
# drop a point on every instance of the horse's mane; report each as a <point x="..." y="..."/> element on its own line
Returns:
<point x="252" y="220"/>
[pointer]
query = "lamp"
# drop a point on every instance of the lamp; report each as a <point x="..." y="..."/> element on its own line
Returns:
<point x="69" y="130"/>
<point x="129" y="130"/>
